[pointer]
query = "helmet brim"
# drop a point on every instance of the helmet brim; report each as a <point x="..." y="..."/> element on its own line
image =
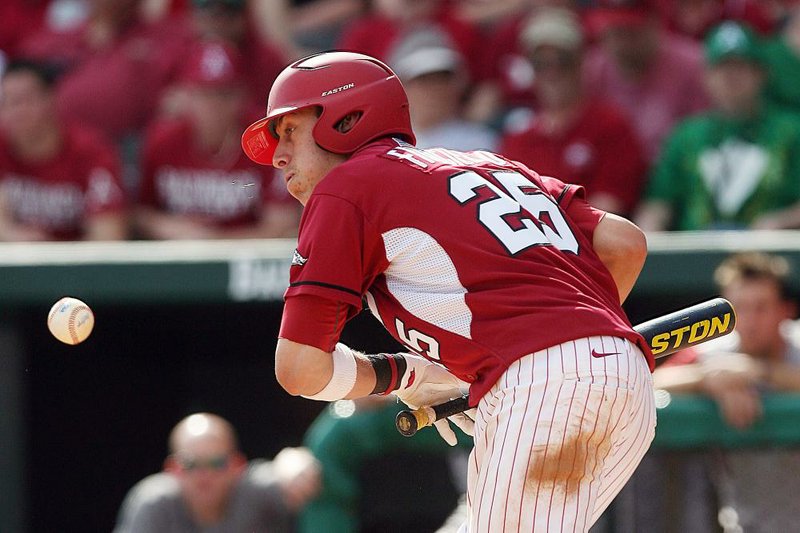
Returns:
<point x="258" y="140"/>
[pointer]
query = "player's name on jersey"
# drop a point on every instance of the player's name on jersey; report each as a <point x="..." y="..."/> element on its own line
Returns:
<point x="442" y="156"/>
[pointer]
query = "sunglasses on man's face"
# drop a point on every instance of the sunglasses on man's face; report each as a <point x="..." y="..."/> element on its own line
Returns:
<point x="554" y="61"/>
<point x="225" y="7"/>
<point x="216" y="463"/>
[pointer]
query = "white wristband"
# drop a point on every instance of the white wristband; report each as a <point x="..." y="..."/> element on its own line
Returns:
<point x="343" y="378"/>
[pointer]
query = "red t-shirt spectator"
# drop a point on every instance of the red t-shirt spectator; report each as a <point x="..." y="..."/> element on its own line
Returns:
<point x="695" y="19"/>
<point x="179" y="178"/>
<point x="376" y="35"/>
<point x="599" y="150"/>
<point x="18" y="18"/>
<point x="115" y="88"/>
<point x="261" y="62"/>
<point x="57" y="196"/>
<point x="671" y="89"/>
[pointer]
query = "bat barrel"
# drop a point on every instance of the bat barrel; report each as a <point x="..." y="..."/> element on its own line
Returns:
<point x="693" y="325"/>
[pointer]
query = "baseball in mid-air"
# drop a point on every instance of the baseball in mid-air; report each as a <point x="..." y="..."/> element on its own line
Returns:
<point x="70" y="320"/>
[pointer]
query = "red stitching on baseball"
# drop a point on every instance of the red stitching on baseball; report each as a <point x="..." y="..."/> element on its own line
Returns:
<point x="71" y="323"/>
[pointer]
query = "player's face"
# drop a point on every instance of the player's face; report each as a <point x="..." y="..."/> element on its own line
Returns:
<point x="302" y="161"/>
<point x="760" y="310"/>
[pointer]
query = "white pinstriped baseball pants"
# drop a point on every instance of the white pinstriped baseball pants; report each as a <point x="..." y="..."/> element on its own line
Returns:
<point x="558" y="436"/>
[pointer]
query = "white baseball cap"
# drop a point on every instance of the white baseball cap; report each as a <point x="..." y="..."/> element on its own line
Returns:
<point x="424" y="52"/>
<point x="555" y="27"/>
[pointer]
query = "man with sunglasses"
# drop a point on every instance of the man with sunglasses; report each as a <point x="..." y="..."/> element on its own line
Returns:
<point x="570" y="133"/>
<point x="208" y="485"/>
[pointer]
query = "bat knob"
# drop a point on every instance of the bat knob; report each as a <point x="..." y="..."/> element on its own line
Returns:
<point x="406" y="423"/>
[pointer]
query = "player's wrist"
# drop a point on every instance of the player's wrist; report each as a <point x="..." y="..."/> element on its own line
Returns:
<point x="343" y="377"/>
<point x="390" y="372"/>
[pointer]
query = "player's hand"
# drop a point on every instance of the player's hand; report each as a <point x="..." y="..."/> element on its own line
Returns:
<point x="426" y="383"/>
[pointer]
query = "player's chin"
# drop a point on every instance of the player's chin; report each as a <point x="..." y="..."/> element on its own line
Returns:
<point x="298" y="192"/>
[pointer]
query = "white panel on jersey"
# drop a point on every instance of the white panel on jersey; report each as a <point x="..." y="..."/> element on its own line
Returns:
<point x="373" y="307"/>
<point x="424" y="280"/>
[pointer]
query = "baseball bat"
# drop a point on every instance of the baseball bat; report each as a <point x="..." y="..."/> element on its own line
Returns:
<point x="665" y="335"/>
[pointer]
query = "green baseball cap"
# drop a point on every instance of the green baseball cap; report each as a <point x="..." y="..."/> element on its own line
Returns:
<point x="732" y="40"/>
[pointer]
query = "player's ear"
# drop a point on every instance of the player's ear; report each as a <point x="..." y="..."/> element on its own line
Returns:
<point x="347" y="123"/>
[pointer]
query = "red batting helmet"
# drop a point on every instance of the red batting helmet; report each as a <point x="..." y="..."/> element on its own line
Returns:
<point x="339" y="83"/>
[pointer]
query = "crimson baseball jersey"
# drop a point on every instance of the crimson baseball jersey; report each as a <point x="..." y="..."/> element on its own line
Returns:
<point x="467" y="258"/>
<point x="58" y="195"/>
<point x="178" y="177"/>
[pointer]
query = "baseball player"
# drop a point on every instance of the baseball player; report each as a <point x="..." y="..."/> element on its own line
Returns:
<point x="495" y="278"/>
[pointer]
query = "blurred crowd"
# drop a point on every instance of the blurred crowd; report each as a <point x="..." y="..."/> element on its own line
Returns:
<point x="121" y="119"/>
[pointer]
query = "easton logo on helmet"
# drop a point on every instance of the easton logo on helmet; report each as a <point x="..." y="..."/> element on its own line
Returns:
<point x="339" y="89"/>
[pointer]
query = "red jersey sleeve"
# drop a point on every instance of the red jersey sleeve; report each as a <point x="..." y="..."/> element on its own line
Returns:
<point x="332" y="229"/>
<point x="582" y="214"/>
<point x="329" y="315"/>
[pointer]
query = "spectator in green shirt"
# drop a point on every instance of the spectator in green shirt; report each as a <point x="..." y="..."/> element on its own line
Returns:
<point x="735" y="166"/>
<point x="782" y="56"/>
<point x="376" y="480"/>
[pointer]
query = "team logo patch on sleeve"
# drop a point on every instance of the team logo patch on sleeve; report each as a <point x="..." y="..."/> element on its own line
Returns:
<point x="297" y="259"/>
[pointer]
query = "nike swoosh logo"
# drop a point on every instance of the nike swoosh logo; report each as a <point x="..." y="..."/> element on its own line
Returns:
<point x="602" y="354"/>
